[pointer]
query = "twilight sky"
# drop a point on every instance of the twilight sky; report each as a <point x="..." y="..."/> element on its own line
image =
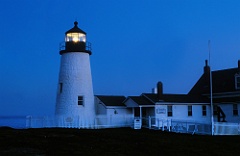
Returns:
<point x="136" y="43"/>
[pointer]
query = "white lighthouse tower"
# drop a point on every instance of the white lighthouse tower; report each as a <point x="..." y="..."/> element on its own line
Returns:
<point x="75" y="99"/>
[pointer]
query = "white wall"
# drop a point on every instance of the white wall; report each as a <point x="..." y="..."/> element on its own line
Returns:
<point x="100" y="108"/>
<point x="131" y="103"/>
<point x="180" y="112"/>
<point x="119" y="111"/>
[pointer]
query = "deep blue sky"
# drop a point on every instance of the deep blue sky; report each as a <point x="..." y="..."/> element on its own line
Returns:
<point x="135" y="44"/>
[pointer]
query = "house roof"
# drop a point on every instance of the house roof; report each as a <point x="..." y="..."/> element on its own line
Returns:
<point x="140" y="100"/>
<point x="223" y="85"/>
<point x="147" y="99"/>
<point x="176" y="98"/>
<point x="222" y="81"/>
<point x="112" y="100"/>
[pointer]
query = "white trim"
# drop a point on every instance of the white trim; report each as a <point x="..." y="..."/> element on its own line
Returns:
<point x="176" y="103"/>
<point x="225" y="94"/>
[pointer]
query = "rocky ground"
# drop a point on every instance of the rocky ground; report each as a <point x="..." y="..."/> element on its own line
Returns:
<point x="124" y="141"/>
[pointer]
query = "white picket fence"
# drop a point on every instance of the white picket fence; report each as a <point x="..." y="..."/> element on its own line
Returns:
<point x="118" y="121"/>
<point x="192" y="127"/>
<point x="100" y="121"/>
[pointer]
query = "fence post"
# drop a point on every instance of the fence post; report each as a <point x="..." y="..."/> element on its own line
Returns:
<point x="170" y="126"/>
<point x="162" y="125"/>
<point x="195" y="128"/>
<point x="44" y="121"/>
<point x="28" y="121"/>
<point x="238" y="128"/>
<point x="149" y="122"/>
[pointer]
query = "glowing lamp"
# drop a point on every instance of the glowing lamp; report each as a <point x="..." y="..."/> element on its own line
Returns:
<point x="75" y="37"/>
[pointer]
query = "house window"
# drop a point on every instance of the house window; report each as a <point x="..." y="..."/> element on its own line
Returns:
<point x="235" y="109"/>
<point x="60" y="87"/>
<point x="237" y="81"/>
<point x="169" y="110"/>
<point x="204" y="110"/>
<point x="190" y="110"/>
<point x="115" y="111"/>
<point x="80" y="100"/>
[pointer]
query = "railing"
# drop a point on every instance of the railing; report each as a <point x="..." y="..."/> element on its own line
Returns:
<point x="89" y="46"/>
<point x="192" y="127"/>
<point x="225" y="128"/>
<point x="178" y="126"/>
<point x="62" y="46"/>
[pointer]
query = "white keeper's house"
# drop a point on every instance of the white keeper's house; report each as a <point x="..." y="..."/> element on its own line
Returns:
<point x="194" y="106"/>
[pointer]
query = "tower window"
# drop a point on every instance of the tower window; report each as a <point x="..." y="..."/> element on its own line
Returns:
<point x="60" y="87"/>
<point x="204" y="110"/>
<point x="80" y="100"/>
<point x="169" y="110"/>
<point x="235" y="109"/>
<point x="190" y="110"/>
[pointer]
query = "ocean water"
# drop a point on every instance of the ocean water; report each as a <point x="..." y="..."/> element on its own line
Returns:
<point x="18" y="122"/>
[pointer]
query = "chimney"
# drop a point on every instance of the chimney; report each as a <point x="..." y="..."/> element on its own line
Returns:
<point x="159" y="90"/>
<point x="154" y="90"/>
<point x="239" y="66"/>
<point x="206" y="67"/>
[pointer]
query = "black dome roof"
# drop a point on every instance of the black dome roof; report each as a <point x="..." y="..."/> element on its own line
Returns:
<point x="75" y="29"/>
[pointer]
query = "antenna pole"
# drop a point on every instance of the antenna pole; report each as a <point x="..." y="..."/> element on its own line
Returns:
<point x="211" y="97"/>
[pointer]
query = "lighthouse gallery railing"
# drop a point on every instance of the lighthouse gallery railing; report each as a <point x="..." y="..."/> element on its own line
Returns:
<point x="62" y="46"/>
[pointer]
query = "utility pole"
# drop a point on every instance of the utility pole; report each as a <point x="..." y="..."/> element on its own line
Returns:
<point x="211" y="97"/>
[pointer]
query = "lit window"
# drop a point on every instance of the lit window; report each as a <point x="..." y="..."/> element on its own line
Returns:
<point x="190" y="110"/>
<point x="169" y="110"/>
<point x="80" y="100"/>
<point x="204" y="110"/>
<point x="235" y="109"/>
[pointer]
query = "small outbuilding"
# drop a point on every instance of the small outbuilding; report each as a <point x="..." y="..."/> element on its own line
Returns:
<point x="112" y="112"/>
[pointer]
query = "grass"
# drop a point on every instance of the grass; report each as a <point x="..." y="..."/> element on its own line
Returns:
<point x="123" y="141"/>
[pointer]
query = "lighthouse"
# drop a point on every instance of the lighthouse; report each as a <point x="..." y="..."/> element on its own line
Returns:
<point x="75" y="99"/>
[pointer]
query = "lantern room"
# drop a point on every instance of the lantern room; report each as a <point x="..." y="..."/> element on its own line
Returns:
<point x="75" y="41"/>
<point x="75" y="37"/>
<point x="75" y="34"/>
